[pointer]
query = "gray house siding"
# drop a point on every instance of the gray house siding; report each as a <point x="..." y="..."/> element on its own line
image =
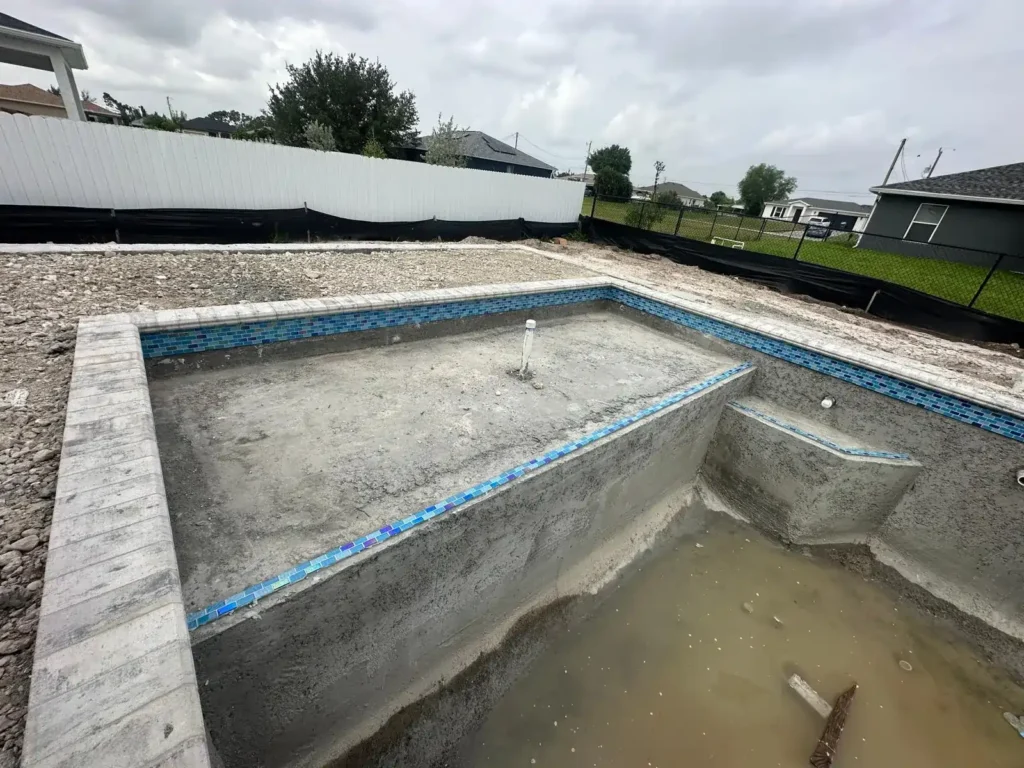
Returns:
<point x="966" y="229"/>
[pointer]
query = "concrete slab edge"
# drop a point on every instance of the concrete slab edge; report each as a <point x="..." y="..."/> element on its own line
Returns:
<point x="255" y="592"/>
<point x="113" y="682"/>
<point x="823" y="441"/>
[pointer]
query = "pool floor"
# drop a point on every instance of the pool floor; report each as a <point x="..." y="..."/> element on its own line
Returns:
<point x="673" y="670"/>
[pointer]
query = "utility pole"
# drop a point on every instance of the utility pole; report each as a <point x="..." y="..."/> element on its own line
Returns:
<point x="517" y="141"/>
<point x="586" y="162"/>
<point x="896" y="157"/>
<point x="932" y="167"/>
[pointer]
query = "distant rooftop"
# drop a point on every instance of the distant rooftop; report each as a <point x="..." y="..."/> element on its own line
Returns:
<point x="1000" y="182"/>
<point x="839" y="206"/>
<point x="484" y="147"/>
<point x="674" y="186"/>
<point x="33" y="94"/>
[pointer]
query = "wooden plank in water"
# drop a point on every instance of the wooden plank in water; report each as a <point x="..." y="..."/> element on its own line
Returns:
<point x="825" y="751"/>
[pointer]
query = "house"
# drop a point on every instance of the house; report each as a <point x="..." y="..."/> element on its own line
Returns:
<point x="26" y="99"/>
<point x="840" y="213"/>
<point x="207" y="126"/>
<point x="26" y="45"/>
<point x="486" y="153"/>
<point x="689" y="197"/>
<point x="980" y="210"/>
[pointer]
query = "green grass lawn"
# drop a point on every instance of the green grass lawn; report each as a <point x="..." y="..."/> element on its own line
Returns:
<point x="1003" y="295"/>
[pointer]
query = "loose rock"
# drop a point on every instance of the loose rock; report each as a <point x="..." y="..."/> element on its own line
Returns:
<point x="26" y="544"/>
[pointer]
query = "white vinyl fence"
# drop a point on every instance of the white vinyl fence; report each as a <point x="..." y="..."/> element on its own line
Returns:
<point x="54" y="162"/>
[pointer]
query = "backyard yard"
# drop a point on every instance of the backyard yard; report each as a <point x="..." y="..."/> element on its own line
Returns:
<point x="1002" y="295"/>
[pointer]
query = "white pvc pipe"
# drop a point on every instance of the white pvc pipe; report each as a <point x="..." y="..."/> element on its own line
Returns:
<point x="527" y="346"/>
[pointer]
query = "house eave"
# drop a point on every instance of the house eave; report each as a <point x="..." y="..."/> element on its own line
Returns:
<point x="946" y="196"/>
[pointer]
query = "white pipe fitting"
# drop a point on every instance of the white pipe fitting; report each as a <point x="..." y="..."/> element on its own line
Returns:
<point x="527" y="346"/>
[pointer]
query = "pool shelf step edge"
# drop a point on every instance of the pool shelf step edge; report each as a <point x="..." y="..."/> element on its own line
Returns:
<point x="803" y="481"/>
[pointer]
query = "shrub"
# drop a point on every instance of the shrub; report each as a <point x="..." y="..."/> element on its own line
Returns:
<point x="644" y="216"/>
<point x="611" y="183"/>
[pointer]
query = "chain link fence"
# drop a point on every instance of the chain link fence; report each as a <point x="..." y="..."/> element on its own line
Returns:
<point x="990" y="282"/>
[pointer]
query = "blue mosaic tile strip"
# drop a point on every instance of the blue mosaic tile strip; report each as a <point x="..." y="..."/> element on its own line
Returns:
<point x="255" y="592"/>
<point x="204" y="339"/>
<point x="1002" y="424"/>
<point x="818" y="438"/>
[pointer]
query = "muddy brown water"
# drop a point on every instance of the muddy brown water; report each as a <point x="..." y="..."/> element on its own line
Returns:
<point x="673" y="670"/>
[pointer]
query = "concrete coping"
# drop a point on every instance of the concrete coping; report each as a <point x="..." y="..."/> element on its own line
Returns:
<point x="113" y="682"/>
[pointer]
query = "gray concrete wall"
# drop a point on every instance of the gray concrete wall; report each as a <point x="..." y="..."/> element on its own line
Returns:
<point x="324" y="667"/>
<point x="799" y="489"/>
<point x="961" y="518"/>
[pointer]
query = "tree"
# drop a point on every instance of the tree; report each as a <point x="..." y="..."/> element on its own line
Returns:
<point x="374" y="148"/>
<point x="254" y="129"/>
<point x="615" y="157"/>
<point x="354" y="97"/>
<point x="659" y="168"/>
<point x="129" y="114"/>
<point x="611" y="183"/>
<point x="763" y="183"/>
<point x="231" y="116"/>
<point x="158" y="122"/>
<point x="444" y="147"/>
<point x="719" y="199"/>
<point x="668" y="198"/>
<point x="83" y="94"/>
<point x="318" y="136"/>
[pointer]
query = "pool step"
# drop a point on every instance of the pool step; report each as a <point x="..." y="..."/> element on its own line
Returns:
<point x="800" y="479"/>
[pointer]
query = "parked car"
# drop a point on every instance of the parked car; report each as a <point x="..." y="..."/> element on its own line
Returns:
<point x="818" y="226"/>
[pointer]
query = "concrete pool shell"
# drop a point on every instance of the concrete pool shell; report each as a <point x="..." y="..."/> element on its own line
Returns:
<point x="113" y="655"/>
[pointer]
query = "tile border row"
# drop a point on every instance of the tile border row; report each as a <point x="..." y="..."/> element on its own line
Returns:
<point x="299" y="572"/>
<point x="847" y="450"/>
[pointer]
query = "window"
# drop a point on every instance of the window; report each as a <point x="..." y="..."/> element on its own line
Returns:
<point x="779" y="212"/>
<point x="925" y="222"/>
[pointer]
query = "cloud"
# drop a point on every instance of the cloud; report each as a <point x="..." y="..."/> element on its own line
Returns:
<point x="822" y="88"/>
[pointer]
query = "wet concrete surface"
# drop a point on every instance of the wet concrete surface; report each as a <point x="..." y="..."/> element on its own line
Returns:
<point x="673" y="669"/>
<point x="268" y="465"/>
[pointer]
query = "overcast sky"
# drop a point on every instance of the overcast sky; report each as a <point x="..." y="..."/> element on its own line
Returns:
<point x="822" y="88"/>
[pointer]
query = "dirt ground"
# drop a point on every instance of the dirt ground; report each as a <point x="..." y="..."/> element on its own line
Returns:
<point x="41" y="297"/>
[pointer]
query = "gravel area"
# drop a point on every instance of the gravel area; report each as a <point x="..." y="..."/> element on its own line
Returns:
<point x="41" y="297"/>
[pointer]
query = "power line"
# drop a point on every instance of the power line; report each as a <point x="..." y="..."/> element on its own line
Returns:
<point x="545" y="151"/>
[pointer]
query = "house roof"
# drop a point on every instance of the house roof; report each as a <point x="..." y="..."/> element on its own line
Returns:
<point x="673" y="186"/>
<point x="23" y="26"/>
<point x="19" y="43"/>
<point x="1000" y="183"/>
<point x="484" y="147"/>
<point x="32" y="94"/>
<point x="209" y="125"/>
<point x="839" y="206"/>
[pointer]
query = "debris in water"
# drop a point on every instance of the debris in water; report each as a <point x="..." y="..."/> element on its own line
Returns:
<point x="809" y="695"/>
<point x="1016" y="722"/>
<point x="906" y="666"/>
<point x="777" y="622"/>
<point x="825" y="752"/>
<point x="538" y="385"/>
<point x="699" y="545"/>
<point x="748" y="607"/>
